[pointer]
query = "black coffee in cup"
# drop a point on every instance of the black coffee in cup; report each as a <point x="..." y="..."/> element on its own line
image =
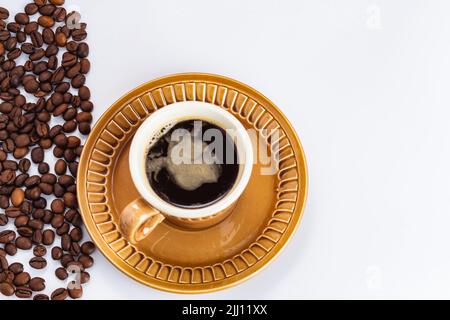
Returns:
<point x="192" y="164"/>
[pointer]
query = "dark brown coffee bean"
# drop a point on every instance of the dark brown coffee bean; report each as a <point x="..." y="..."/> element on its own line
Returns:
<point x="48" y="178"/>
<point x="36" y="39"/>
<point x="60" y="167"/>
<point x="31" y="86"/>
<point x="69" y="60"/>
<point x="3" y="220"/>
<point x="63" y="229"/>
<point x="25" y="231"/>
<point x="48" y="237"/>
<point x="41" y="297"/>
<point x="66" y="180"/>
<point x="4" y="202"/>
<point x="36" y="224"/>
<point x="57" y="206"/>
<point x="23" y="292"/>
<point x="12" y="213"/>
<point x="16" y="268"/>
<point x="31" y="9"/>
<point x="46" y="188"/>
<point x="70" y="200"/>
<point x="38" y="263"/>
<point x="4" y="13"/>
<point x="11" y="249"/>
<point x="57" y="253"/>
<point x="24" y="165"/>
<point x="66" y="259"/>
<point x="66" y="242"/>
<point x="61" y="273"/>
<point x="78" y="81"/>
<point x="43" y="168"/>
<point x="88" y="248"/>
<point x="22" y="279"/>
<point x="60" y="14"/>
<point x="84" y="128"/>
<point x="39" y="251"/>
<point x="7" y="236"/>
<point x="84" y="93"/>
<point x="4" y="263"/>
<point x="21" y="221"/>
<point x="24" y="243"/>
<point x="22" y="18"/>
<point x="37" y="284"/>
<point x="57" y="221"/>
<point x="6" y="289"/>
<point x="59" y="294"/>
<point x="48" y="36"/>
<point x="37" y="155"/>
<point x="87" y="261"/>
<point x="83" y="50"/>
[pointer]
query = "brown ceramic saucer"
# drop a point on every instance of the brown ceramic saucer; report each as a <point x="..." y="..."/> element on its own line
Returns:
<point x="186" y="261"/>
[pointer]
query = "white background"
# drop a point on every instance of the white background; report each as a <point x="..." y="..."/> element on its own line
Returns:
<point x="366" y="85"/>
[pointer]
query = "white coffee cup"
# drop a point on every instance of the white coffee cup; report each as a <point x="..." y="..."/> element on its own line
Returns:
<point x="142" y="215"/>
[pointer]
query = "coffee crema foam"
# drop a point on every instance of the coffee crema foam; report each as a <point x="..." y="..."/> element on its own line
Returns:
<point x="188" y="176"/>
<point x="187" y="171"/>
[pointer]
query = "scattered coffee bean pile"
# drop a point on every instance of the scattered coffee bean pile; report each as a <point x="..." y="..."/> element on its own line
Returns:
<point x="43" y="102"/>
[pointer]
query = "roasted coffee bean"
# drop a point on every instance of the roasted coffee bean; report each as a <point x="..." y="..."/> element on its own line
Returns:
<point x="66" y="242"/>
<point x="48" y="237"/>
<point x="7" y="236"/>
<point x="25" y="231"/>
<point x="37" y="155"/>
<point x="57" y="253"/>
<point x="87" y="261"/>
<point x="40" y="262"/>
<point x="57" y="206"/>
<point x="61" y="273"/>
<point x="84" y="128"/>
<point x="3" y="220"/>
<point x="46" y="21"/>
<point x="43" y="168"/>
<point x="24" y="243"/>
<point x="23" y="292"/>
<point x="22" y="18"/>
<point x="60" y="14"/>
<point x="4" y="202"/>
<point x="21" y="279"/>
<point x="4" y="263"/>
<point x="39" y="251"/>
<point x="60" y="167"/>
<point x="37" y="284"/>
<point x="11" y="249"/>
<point x="36" y="224"/>
<point x="59" y="294"/>
<point x="6" y="289"/>
<point x="41" y="297"/>
<point x="21" y="221"/>
<point x="24" y="165"/>
<point x="66" y="259"/>
<point x="16" y="268"/>
<point x="31" y="9"/>
<point x="4" y="13"/>
<point x="75" y="249"/>
<point x="63" y="229"/>
<point x="84" y="93"/>
<point x="70" y="200"/>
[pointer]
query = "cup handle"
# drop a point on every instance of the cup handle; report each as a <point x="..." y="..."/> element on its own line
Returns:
<point x="138" y="220"/>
